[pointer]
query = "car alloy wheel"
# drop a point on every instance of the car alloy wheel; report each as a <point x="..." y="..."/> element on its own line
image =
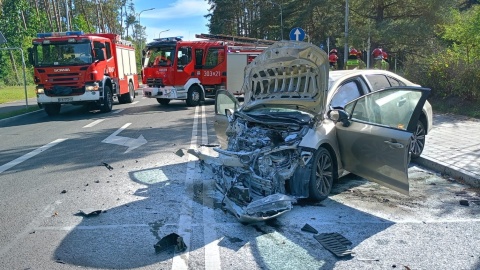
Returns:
<point x="418" y="140"/>
<point x="321" y="180"/>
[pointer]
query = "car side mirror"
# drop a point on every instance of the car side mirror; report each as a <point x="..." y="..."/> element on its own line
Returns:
<point x="229" y="114"/>
<point x="338" y="115"/>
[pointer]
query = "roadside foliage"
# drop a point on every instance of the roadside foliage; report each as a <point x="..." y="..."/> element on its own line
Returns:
<point x="413" y="32"/>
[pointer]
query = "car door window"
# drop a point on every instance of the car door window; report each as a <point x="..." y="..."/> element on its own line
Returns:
<point x="392" y="108"/>
<point x="345" y="93"/>
<point x="225" y="101"/>
<point x="377" y="81"/>
<point x="394" y="82"/>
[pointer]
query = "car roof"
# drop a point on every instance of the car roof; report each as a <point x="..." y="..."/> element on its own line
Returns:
<point x="337" y="75"/>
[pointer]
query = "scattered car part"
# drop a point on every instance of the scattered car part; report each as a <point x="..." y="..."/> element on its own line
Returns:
<point x="308" y="228"/>
<point x="171" y="241"/>
<point x="107" y="166"/>
<point x="335" y="243"/>
<point x="89" y="212"/>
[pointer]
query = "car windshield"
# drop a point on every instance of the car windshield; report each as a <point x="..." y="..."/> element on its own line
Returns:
<point x="160" y="56"/>
<point x="58" y="54"/>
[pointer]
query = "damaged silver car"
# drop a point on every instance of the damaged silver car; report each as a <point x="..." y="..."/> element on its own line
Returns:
<point x="286" y="142"/>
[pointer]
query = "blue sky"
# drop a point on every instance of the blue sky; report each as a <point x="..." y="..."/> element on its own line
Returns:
<point x="181" y="17"/>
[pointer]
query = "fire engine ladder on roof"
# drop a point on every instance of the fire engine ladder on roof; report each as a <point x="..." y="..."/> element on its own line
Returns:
<point x="236" y="40"/>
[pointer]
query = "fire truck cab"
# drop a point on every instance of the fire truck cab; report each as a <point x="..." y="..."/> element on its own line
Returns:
<point x="77" y="68"/>
<point x="193" y="70"/>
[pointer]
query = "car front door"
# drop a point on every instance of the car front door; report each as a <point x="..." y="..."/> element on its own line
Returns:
<point x="225" y="104"/>
<point x="374" y="140"/>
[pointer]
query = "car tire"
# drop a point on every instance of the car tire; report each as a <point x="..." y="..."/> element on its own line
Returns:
<point x="52" y="109"/>
<point x="107" y="103"/>
<point x="163" y="101"/>
<point x="194" y="96"/>
<point x="321" y="178"/>
<point x="418" y="140"/>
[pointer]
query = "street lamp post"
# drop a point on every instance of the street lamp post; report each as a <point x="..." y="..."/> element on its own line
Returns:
<point x="139" y="14"/>
<point x="162" y="32"/>
<point x="281" y="17"/>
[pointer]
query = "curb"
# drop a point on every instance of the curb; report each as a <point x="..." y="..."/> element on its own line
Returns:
<point x="464" y="176"/>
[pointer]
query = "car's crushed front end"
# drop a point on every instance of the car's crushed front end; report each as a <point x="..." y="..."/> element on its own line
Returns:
<point x="263" y="169"/>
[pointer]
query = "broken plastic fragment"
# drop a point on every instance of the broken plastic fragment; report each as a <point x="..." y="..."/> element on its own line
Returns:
<point x="90" y="212"/>
<point x="308" y="228"/>
<point x="107" y="166"/>
<point x="172" y="240"/>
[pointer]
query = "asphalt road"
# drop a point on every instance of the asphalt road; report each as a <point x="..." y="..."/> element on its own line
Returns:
<point x="51" y="168"/>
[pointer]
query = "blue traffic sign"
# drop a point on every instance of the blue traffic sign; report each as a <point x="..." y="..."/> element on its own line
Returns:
<point x="297" y="34"/>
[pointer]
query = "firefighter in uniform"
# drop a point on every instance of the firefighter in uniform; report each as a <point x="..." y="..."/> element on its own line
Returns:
<point x="333" y="58"/>
<point x="354" y="60"/>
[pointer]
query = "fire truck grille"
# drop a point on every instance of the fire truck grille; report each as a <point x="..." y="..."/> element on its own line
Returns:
<point x="155" y="82"/>
<point x="64" y="84"/>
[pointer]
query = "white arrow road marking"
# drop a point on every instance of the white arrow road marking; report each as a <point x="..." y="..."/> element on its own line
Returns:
<point x="29" y="155"/>
<point x="131" y="143"/>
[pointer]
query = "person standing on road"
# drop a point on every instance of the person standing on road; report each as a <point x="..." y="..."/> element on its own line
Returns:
<point x="333" y="58"/>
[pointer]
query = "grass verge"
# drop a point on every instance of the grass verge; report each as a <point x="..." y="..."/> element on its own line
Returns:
<point x="456" y="106"/>
<point x="14" y="93"/>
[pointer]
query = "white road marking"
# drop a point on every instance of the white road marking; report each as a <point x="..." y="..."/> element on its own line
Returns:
<point x="93" y="123"/>
<point x="135" y="102"/>
<point x="180" y="261"/>
<point x="212" y="250"/>
<point x="117" y="111"/>
<point x="131" y="143"/>
<point x="29" y="155"/>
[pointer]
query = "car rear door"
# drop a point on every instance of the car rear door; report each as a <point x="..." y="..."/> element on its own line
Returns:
<point x="374" y="141"/>
<point x="224" y="101"/>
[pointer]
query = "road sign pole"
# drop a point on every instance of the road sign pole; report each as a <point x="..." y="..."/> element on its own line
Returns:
<point x="4" y="40"/>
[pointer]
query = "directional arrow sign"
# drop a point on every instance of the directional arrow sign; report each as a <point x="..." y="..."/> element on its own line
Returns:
<point x="131" y="143"/>
<point x="297" y="34"/>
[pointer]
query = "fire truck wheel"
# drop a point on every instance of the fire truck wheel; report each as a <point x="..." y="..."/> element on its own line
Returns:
<point x="193" y="96"/>
<point x="163" y="101"/>
<point x="52" y="109"/>
<point x="107" y="100"/>
<point x="130" y="96"/>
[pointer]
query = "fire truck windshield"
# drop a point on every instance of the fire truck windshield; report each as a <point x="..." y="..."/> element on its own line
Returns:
<point x="62" y="54"/>
<point x="160" y="56"/>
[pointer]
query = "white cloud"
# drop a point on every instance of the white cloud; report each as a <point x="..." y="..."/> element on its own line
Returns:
<point x="179" y="9"/>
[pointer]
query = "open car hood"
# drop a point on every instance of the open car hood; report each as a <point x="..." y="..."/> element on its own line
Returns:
<point x="288" y="72"/>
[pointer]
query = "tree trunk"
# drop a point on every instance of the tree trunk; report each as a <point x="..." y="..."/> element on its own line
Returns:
<point x="14" y="66"/>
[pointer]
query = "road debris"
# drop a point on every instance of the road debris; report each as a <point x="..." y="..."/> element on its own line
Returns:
<point x="464" y="202"/>
<point x="89" y="212"/>
<point x="308" y="228"/>
<point x="107" y="166"/>
<point x="335" y="243"/>
<point x="64" y="191"/>
<point x="171" y="241"/>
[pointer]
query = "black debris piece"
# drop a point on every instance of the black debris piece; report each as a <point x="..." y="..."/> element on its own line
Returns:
<point x="335" y="243"/>
<point x="234" y="239"/>
<point x="179" y="153"/>
<point x="89" y="212"/>
<point x="171" y="241"/>
<point x="107" y="166"/>
<point x="308" y="228"/>
<point x="64" y="191"/>
<point x="210" y="145"/>
<point x="464" y="202"/>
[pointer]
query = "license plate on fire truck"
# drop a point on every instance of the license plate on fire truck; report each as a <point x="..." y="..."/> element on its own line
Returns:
<point x="65" y="99"/>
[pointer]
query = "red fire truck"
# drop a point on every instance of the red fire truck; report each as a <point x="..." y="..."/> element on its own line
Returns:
<point x="77" y="68"/>
<point x="195" y="70"/>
